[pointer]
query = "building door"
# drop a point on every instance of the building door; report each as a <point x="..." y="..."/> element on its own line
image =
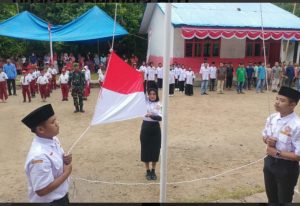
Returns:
<point x="274" y="52"/>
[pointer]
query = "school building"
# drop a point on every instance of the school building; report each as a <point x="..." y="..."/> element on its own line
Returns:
<point x="222" y="32"/>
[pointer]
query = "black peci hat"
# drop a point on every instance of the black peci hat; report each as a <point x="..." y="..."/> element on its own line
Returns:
<point x="290" y="93"/>
<point x="38" y="116"/>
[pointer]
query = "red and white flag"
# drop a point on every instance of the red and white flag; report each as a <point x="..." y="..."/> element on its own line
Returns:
<point x="122" y="95"/>
<point x="49" y="27"/>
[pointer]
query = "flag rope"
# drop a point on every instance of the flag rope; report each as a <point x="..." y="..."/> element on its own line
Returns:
<point x="168" y="183"/>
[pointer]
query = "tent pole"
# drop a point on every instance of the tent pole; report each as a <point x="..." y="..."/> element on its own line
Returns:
<point x="288" y="41"/>
<point x="166" y="70"/>
<point x="50" y="41"/>
<point x="98" y="48"/>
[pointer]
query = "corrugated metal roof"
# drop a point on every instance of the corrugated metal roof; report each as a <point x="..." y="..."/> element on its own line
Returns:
<point x="232" y="15"/>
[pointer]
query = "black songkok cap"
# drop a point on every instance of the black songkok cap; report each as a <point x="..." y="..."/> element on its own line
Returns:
<point x="290" y="93"/>
<point x="38" y="116"/>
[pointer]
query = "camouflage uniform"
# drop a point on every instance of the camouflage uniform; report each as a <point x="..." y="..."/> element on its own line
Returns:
<point x="77" y="82"/>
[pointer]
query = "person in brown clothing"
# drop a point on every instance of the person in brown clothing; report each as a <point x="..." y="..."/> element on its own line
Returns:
<point x="221" y="75"/>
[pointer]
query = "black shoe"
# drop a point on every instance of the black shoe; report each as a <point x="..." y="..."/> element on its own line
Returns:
<point x="81" y="109"/>
<point x="148" y="175"/>
<point x="76" y="109"/>
<point x="153" y="175"/>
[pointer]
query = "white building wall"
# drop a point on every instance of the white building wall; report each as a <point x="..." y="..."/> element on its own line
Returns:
<point x="156" y="33"/>
<point x="178" y="49"/>
<point x="233" y="48"/>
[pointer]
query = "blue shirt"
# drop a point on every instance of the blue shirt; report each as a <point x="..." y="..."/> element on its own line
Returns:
<point x="290" y="72"/>
<point x="249" y="71"/>
<point x="261" y="72"/>
<point x="10" y="70"/>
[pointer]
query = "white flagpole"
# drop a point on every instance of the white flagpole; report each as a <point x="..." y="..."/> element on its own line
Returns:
<point x="50" y="39"/>
<point x="166" y="66"/>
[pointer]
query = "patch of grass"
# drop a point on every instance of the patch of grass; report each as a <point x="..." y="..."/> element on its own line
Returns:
<point x="224" y="194"/>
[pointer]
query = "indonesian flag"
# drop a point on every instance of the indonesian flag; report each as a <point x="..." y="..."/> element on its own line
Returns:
<point x="122" y="95"/>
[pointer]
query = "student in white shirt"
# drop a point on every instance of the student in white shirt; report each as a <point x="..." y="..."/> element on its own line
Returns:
<point x="143" y="68"/>
<point x="47" y="167"/>
<point x="204" y="76"/>
<point x="63" y="81"/>
<point x="87" y="89"/>
<point x="151" y="75"/>
<point x="3" y="89"/>
<point x="190" y="76"/>
<point x="213" y="76"/>
<point x="42" y="82"/>
<point x="182" y="79"/>
<point x="171" y="81"/>
<point x="282" y="136"/>
<point x="25" y="83"/>
<point x="159" y="76"/>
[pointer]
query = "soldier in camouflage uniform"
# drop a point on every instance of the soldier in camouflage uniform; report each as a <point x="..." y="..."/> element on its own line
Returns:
<point x="77" y="82"/>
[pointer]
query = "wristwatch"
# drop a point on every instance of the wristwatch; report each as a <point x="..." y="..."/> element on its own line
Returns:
<point x="278" y="152"/>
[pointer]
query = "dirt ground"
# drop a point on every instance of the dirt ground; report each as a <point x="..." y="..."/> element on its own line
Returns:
<point x="207" y="135"/>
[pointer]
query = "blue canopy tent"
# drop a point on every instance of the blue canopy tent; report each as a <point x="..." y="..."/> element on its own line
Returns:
<point x="26" y="26"/>
<point x="93" y="24"/>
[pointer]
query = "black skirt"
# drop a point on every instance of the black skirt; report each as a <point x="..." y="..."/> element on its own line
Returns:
<point x="150" y="138"/>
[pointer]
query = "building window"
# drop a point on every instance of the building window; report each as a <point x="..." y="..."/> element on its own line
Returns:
<point x="249" y="49"/>
<point x="257" y="49"/>
<point x="254" y="48"/>
<point x="189" y="49"/>
<point x="216" y="49"/>
<point x="202" y="47"/>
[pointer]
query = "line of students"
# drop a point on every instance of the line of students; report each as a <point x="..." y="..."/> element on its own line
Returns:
<point x="180" y="78"/>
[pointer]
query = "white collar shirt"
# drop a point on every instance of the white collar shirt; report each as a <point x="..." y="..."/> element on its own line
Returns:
<point x="44" y="163"/>
<point x="3" y="76"/>
<point x="151" y="72"/>
<point x="286" y="130"/>
<point x="153" y="107"/>
<point x="172" y="77"/>
<point x="25" y="80"/>
<point x="42" y="80"/>
<point x="205" y="71"/>
<point x="160" y="72"/>
<point x="190" y="76"/>
<point x="182" y="75"/>
<point x="213" y="72"/>
<point x="64" y="78"/>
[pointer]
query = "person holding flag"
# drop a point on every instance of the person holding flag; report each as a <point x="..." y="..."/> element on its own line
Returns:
<point x="150" y="135"/>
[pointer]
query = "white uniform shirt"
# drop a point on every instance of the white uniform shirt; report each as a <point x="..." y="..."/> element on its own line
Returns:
<point x="160" y="72"/>
<point x="42" y="80"/>
<point x="63" y="78"/>
<point x="151" y="72"/>
<point x="44" y="163"/>
<point x="213" y="72"/>
<point x="3" y="76"/>
<point x="182" y="75"/>
<point x="25" y="80"/>
<point x="101" y="76"/>
<point x="172" y="77"/>
<point x="143" y="69"/>
<point x="286" y="130"/>
<point x="37" y="73"/>
<point x="32" y="76"/>
<point x="53" y="71"/>
<point x="190" y="76"/>
<point x="87" y="74"/>
<point x="154" y="108"/>
<point x="177" y="72"/>
<point x="205" y="71"/>
<point x="48" y="75"/>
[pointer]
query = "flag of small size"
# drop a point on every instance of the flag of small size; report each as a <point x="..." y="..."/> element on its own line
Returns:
<point x="122" y="95"/>
<point x="49" y="27"/>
